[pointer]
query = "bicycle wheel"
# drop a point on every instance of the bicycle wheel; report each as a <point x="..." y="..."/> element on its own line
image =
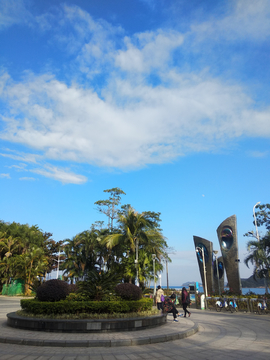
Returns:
<point x="218" y="308"/>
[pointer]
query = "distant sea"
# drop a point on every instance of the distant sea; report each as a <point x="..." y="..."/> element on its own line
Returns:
<point x="257" y="291"/>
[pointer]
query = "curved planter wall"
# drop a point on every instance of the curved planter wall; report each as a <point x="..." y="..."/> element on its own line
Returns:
<point x="85" y="325"/>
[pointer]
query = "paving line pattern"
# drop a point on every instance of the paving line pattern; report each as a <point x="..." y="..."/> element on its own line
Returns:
<point x="221" y="336"/>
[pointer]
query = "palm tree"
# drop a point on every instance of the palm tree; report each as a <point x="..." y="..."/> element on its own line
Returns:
<point x="136" y="230"/>
<point x="259" y="256"/>
<point x="82" y="253"/>
<point x="32" y="264"/>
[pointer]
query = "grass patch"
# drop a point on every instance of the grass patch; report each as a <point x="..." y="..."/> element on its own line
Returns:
<point x="89" y="316"/>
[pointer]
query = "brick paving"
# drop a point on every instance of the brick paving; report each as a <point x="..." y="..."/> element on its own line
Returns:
<point x="220" y="336"/>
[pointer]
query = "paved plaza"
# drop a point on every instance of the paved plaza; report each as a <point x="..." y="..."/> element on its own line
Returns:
<point x="220" y="336"/>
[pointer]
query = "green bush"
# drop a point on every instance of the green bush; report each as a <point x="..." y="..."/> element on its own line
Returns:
<point x="128" y="291"/>
<point x="72" y="288"/>
<point x="53" y="290"/>
<point x="35" y="306"/>
<point x="77" y="297"/>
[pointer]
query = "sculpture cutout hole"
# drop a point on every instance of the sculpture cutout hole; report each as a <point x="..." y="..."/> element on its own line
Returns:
<point x="199" y="253"/>
<point x="220" y="269"/>
<point x="226" y="238"/>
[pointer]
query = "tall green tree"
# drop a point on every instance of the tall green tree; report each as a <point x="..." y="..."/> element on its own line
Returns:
<point x="31" y="265"/>
<point x="259" y="257"/>
<point x="259" y="249"/>
<point x="109" y="207"/>
<point x="84" y="253"/>
<point x="17" y="242"/>
<point x="137" y="229"/>
<point x="263" y="215"/>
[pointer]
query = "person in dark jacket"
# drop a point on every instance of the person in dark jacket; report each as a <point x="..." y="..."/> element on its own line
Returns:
<point x="169" y="306"/>
<point x="185" y="301"/>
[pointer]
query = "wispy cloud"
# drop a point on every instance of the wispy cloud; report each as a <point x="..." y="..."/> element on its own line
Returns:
<point x="64" y="176"/>
<point x="6" y="176"/>
<point x="27" y="179"/>
<point x="13" y="12"/>
<point x="28" y="158"/>
<point x="244" y="19"/>
<point x="258" y="154"/>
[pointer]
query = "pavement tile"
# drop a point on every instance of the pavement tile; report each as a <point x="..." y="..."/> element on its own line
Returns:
<point x="221" y="336"/>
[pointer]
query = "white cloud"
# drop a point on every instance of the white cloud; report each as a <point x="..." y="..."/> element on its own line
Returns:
<point x="27" y="178"/>
<point x="6" y="176"/>
<point x="134" y="125"/>
<point x="64" y="176"/>
<point x="245" y="19"/>
<point x="29" y="158"/>
<point x="258" y="154"/>
<point x="13" y="12"/>
<point x="21" y="167"/>
<point x="150" y="51"/>
<point x="130" y="123"/>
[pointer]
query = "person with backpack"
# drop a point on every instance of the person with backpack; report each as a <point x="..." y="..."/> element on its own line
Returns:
<point x="185" y="301"/>
<point x="159" y="298"/>
<point x="169" y="307"/>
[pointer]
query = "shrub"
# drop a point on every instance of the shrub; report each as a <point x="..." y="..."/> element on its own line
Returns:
<point x="34" y="306"/>
<point x="98" y="285"/>
<point x="53" y="290"/>
<point x="128" y="291"/>
<point x="72" y="288"/>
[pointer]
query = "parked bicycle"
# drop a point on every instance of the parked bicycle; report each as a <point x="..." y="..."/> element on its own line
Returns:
<point x="222" y="304"/>
<point x="233" y="305"/>
<point x="262" y="307"/>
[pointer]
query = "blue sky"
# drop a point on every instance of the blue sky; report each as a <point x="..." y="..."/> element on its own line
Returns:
<point x="168" y="100"/>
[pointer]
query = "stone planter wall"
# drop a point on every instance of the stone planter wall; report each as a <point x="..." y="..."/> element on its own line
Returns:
<point x="85" y="325"/>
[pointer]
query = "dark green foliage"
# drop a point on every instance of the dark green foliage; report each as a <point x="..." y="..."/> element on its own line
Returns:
<point x="109" y="207"/>
<point x="91" y="307"/>
<point x="53" y="290"/>
<point x="128" y="291"/>
<point x="263" y="215"/>
<point x="98" y="285"/>
<point x="73" y="288"/>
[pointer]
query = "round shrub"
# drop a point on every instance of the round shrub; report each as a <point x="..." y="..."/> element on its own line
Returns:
<point x="53" y="290"/>
<point x="128" y="291"/>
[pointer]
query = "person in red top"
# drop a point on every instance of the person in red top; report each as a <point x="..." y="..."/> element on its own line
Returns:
<point x="169" y="306"/>
<point x="185" y="301"/>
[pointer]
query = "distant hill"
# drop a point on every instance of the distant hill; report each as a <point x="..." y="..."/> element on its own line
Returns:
<point x="252" y="283"/>
<point x="246" y="283"/>
<point x="186" y="284"/>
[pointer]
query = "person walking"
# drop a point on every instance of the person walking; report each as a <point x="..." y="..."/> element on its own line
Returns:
<point x="159" y="298"/>
<point x="169" y="307"/>
<point x="185" y="301"/>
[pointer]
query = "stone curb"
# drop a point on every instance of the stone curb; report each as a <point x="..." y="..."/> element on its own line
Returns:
<point x="102" y="343"/>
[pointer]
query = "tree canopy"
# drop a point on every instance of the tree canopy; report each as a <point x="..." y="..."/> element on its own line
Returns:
<point x="259" y="248"/>
<point x="28" y="253"/>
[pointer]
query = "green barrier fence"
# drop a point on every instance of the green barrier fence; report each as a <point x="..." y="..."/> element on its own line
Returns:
<point x="16" y="287"/>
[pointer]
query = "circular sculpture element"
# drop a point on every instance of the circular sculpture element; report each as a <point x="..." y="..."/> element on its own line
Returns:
<point x="199" y="253"/>
<point x="226" y="238"/>
<point x="220" y="270"/>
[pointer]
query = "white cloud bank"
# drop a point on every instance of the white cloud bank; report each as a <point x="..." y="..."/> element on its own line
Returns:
<point x="153" y="125"/>
<point x="129" y="122"/>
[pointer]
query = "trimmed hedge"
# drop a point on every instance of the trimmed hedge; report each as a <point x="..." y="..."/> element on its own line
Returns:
<point x="92" y="307"/>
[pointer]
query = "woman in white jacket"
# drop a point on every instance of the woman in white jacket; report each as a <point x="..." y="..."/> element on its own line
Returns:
<point x="158" y="298"/>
